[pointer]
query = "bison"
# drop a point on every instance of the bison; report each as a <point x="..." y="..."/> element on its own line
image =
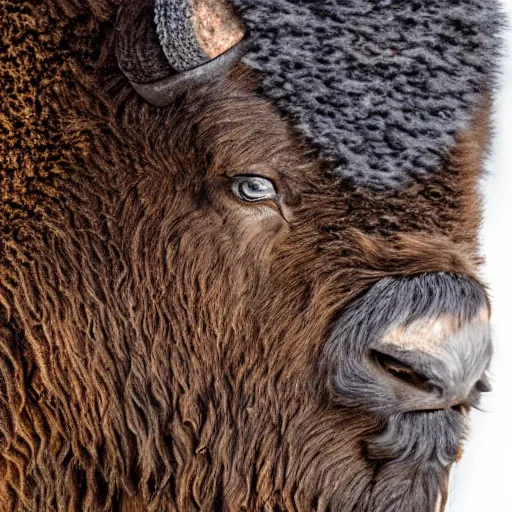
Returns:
<point x="201" y="308"/>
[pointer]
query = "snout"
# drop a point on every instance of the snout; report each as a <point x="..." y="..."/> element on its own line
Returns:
<point x="434" y="363"/>
<point x="413" y="344"/>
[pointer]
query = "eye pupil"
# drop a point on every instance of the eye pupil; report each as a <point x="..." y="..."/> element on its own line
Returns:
<point x="253" y="188"/>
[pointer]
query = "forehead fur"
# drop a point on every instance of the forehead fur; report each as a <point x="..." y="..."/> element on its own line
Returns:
<point x="380" y="88"/>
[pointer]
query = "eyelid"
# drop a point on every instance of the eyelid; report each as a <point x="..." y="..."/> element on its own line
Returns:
<point x="276" y="201"/>
<point x="271" y="195"/>
<point x="249" y="175"/>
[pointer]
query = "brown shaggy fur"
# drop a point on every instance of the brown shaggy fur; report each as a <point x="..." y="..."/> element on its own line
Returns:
<point x="159" y="340"/>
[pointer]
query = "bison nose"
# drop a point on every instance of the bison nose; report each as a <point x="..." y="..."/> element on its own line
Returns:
<point x="410" y="344"/>
<point x="431" y="364"/>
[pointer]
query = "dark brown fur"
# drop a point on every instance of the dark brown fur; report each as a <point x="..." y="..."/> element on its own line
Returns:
<point x="160" y="341"/>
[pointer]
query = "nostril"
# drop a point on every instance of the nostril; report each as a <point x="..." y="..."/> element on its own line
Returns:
<point x="483" y="386"/>
<point x="403" y="372"/>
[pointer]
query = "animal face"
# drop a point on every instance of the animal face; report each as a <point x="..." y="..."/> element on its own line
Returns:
<point x="210" y="320"/>
<point x="305" y="330"/>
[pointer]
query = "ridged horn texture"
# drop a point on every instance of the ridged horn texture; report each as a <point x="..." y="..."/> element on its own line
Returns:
<point x="163" y="46"/>
<point x="138" y="50"/>
<point x="192" y="32"/>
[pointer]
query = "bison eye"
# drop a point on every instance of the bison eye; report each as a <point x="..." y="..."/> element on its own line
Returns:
<point x="253" y="188"/>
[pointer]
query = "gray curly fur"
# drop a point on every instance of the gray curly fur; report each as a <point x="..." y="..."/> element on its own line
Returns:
<point x="380" y="88"/>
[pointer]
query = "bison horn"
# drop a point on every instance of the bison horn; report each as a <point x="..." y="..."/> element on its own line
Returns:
<point x="165" y="46"/>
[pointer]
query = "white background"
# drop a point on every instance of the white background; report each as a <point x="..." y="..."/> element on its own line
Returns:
<point x="482" y="481"/>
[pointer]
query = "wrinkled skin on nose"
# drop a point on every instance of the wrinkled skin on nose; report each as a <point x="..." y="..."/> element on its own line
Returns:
<point x="441" y="361"/>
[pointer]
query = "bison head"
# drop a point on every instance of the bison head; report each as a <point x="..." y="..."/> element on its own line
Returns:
<point x="216" y="322"/>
